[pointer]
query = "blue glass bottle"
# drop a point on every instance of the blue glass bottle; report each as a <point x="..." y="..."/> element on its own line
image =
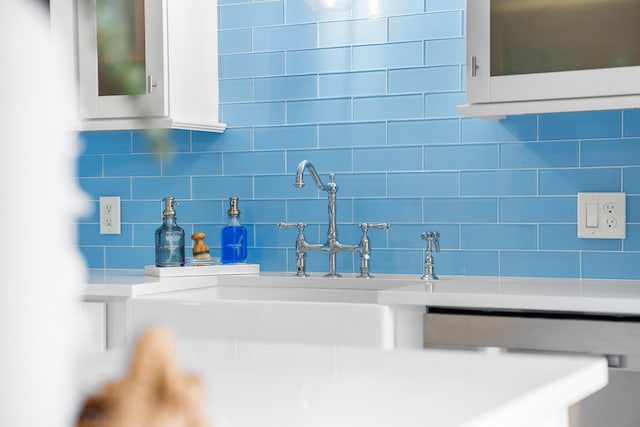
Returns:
<point x="234" y="236"/>
<point x="169" y="238"/>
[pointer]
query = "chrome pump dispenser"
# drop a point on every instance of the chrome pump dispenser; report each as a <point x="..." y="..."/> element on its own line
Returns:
<point x="169" y="238"/>
<point x="234" y="236"/>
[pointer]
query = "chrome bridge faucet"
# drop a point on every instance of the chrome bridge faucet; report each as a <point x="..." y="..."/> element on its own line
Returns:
<point x="433" y="242"/>
<point x="302" y="246"/>
<point x="332" y="245"/>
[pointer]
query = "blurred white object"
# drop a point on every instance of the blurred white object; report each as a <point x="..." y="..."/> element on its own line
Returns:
<point x="42" y="271"/>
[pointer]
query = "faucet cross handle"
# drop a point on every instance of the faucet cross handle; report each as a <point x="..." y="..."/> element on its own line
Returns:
<point x="365" y="246"/>
<point x="371" y="225"/>
<point x="299" y="225"/>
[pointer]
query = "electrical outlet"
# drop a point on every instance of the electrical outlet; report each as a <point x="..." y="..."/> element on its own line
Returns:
<point x="602" y="215"/>
<point x="110" y="215"/>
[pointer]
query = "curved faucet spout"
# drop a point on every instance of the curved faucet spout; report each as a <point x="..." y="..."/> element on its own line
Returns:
<point x="299" y="183"/>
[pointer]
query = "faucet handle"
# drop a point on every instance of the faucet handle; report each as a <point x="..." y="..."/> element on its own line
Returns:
<point x="299" y="225"/>
<point x="364" y="226"/>
<point x="432" y="237"/>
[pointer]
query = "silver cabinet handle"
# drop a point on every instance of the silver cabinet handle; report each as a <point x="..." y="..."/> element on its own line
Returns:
<point x="474" y="66"/>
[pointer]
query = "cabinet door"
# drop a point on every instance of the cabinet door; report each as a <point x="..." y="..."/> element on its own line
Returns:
<point x="96" y="317"/>
<point x="121" y="59"/>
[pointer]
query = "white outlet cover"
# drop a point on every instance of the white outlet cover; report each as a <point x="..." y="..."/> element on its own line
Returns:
<point x="110" y="215"/>
<point x="611" y="220"/>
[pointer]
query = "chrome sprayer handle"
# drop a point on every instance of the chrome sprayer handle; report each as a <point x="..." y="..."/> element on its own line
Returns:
<point x="433" y="242"/>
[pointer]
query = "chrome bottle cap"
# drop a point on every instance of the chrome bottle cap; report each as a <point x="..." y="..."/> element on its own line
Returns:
<point x="168" y="206"/>
<point x="233" y="207"/>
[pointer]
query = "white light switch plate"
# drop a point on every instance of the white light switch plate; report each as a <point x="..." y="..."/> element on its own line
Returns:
<point x="602" y="215"/>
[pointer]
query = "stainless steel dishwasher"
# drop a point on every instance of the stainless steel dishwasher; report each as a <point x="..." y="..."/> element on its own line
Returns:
<point x="615" y="337"/>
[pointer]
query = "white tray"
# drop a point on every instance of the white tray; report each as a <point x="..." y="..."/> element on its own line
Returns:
<point x="201" y="270"/>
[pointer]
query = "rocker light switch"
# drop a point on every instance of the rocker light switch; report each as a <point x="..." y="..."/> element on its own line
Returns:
<point x="592" y="215"/>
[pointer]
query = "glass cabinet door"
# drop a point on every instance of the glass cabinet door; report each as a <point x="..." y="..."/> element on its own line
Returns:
<point x="121" y="57"/>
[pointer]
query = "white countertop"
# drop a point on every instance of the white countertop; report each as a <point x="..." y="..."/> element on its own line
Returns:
<point x="260" y="384"/>
<point x="548" y="294"/>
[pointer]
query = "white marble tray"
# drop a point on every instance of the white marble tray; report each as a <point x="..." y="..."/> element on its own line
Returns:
<point x="201" y="270"/>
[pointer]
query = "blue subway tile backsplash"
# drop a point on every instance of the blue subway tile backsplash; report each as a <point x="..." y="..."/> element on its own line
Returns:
<point x="369" y="94"/>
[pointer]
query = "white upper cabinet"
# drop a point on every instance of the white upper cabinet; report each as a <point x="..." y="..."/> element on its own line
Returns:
<point x="537" y="56"/>
<point x="143" y="63"/>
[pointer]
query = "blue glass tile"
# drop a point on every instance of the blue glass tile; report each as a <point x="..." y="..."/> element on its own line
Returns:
<point x="631" y="122"/>
<point x="632" y="242"/>
<point x="438" y="25"/>
<point x="131" y="165"/>
<point x="353" y="84"/>
<point x="221" y="187"/>
<point x="453" y="210"/>
<point x="234" y="41"/>
<point x="89" y="235"/>
<point x="347" y="33"/>
<point x="135" y="211"/>
<point x="565" y="237"/>
<point x="89" y="166"/>
<point x="365" y="9"/>
<point x="235" y="90"/>
<point x="394" y="261"/>
<point x="459" y="157"/>
<point x="387" y="56"/>
<point x="540" y="264"/>
<point x="263" y="211"/>
<point x="250" y="15"/>
<point x="424" y="184"/>
<point x="158" y="188"/>
<point x="353" y="134"/>
<point x="424" y="132"/>
<point x="283" y="137"/>
<point x="300" y="12"/>
<point x="425" y="79"/>
<point x="233" y="139"/>
<point x="271" y="236"/>
<point x="498" y="236"/>
<point x="280" y="186"/>
<point x="538" y="209"/>
<point x="513" y="128"/>
<point x="498" y="183"/>
<point x="192" y="164"/>
<point x="362" y="185"/>
<point x="387" y="210"/>
<point x="388" y="107"/>
<point x="288" y="87"/>
<point x="256" y="162"/>
<point x="555" y="154"/>
<point x="434" y="5"/>
<point x="144" y="234"/>
<point x="571" y="181"/>
<point x="633" y="208"/>
<point x="93" y="256"/>
<point x="319" y="111"/>
<point x="284" y="37"/>
<point x="408" y="235"/>
<point x="198" y="211"/>
<point x="312" y="211"/>
<point x="251" y="64"/>
<point x="467" y="263"/>
<point x="105" y="142"/>
<point x="325" y="161"/>
<point x="445" y="52"/>
<point x="257" y="113"/>
<point x="319" y="60"/>
<point x="129" y="257"/>
<point x="610" y="265"/>
<point x="269" y="259"/>
<point x="588" y="124"/>
<point x="96" y="187"/>
<point x="443" y="104"/>
<point x="387" y="159"/>
<point x="631" y="178"/>
<point x="610" y="152"/>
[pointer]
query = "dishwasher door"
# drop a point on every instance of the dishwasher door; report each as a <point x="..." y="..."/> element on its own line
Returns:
<point x="616" y="338"/>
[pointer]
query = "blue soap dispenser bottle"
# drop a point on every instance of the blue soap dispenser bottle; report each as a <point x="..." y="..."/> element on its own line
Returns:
<point x="169" y="237"/>
<point x="234" y="236"/>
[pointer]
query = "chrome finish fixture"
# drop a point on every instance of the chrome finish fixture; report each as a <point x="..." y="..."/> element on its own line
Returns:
<point x="433" y="241"/>
<point x="332" y="245"/>
<point x="302" y="246"/>
<point x="365" y="246"/>
<point x="474" y="66"/>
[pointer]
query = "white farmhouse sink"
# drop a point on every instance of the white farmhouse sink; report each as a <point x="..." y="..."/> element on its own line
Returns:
<point x="315" y="310"/>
